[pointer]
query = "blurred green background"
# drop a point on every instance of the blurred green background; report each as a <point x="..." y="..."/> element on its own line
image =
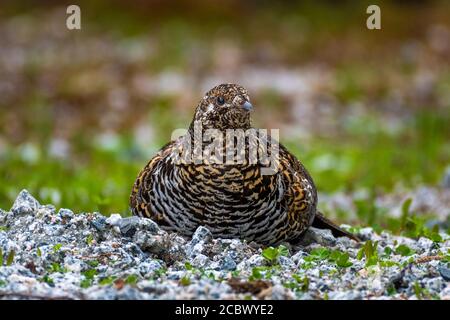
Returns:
<point x="82" y="111"/>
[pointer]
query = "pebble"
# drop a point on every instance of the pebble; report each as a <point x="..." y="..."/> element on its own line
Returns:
<point x="114" y="219"/>
<point x="128" y="226"/>
<point x="445" y="273"/>
<point x="446" y="179"/>
<point x="320" y="236"/>
<point x="58" y="254"/>
<point x="66" y="213"/>
<point x="25" y="204"/>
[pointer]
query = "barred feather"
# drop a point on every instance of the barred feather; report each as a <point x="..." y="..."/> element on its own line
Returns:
<point x="232" y="201"/>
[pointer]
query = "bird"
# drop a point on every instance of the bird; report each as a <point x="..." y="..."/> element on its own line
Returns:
<point x="186" y="185"/>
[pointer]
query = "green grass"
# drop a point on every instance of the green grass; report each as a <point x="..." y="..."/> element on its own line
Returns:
<point x="100" y="183"/>
<point x="365" y="156"/>
<point x="368" y="157"/>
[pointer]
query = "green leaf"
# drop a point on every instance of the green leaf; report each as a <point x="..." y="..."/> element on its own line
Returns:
<point x="404" y="250"/>
<point x="318" y="254"/>
<point x="211" y="276"/>
<point x="185" y="281"/>
<point x="270" y="254"/>
<point x="405" y="212"/>
<point x="57" y="247"/>
<point x="283" y="251"/>
<point x="418" y="290"/>
<point x="38" y="252"/>
<point x="391" y="290"/>
<point x="433" y="236"/>
<point x="132" y="279"/>
<point x="56" y="267"/>
<point x="188" y="266"/>
<point x="1" y="257"/>
<point x="256" y="273"/>
<point x="388" y="263"/>
<point x="85" y="283"/>
<point x="235" y="273"/>
<point x="343" y="261"/>
<point x="10" y="258"/>
<point x="107" y="280"/>
<point x="89" y="239"/>
<point x="334" y="256"/>
<point x="90" y="274"/>
<point x="360" y="254"/>
<point x="303" y="281"/>
<point x="46" y="278"/>
<point x="93" y="263"/>
<point x="369" y="251"/>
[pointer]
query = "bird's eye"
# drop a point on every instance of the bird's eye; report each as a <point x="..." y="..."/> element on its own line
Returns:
<point x="220" y="101"/>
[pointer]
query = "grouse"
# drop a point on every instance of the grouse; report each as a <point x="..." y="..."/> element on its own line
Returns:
<point x="260" y="193"/>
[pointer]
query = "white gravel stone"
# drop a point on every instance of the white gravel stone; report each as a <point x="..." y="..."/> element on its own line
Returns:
<point x="51" y="254"/>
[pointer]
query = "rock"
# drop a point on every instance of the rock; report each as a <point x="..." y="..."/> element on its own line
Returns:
<point x="200" y="237"/>
<point x="65" y="213"/>
<point x="255" y="261"/>
<point x="446" y="179"/>
<point x="344" y="295"/>
<point x="201" y="234"/>
<point x="94" y="257"/>
<point x="434" y="284"/>
<point x="345" y="242"/>
<point x="149" y="267"/>
<point x="444" y="272"/>
<point x="280" y="293"/>
<point x="128" y="226"/>
<point x="366" y="234"/>
<point x="445" y="293"/>
<point x="424" y="244"/>
<point x="114" y="219"/>
<point x="286" y="263"/>
<point x="228" y="263"/>
<point x="376" y="285"/>
<point x="320" y="236"/>
<point x="150" y="243"/>
<point x="200" y="261"/>
<point x="99" y="224"/>
<point x="298" y="257"/>
<point x="148" y="225"/>
<point x="25" y="204"/>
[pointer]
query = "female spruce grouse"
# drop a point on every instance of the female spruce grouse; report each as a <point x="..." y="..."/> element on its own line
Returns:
<point x="187" y="184"/>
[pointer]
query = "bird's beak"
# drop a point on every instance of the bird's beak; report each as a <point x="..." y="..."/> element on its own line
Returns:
<point x="247" y="106"/>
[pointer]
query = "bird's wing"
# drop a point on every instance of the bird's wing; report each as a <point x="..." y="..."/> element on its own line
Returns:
<point x="300" y="195"/>
<point x="139" y="198"/>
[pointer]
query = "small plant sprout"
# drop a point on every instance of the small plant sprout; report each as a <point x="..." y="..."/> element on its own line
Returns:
<point x="404" y="250"/>
<point x="272" y="254"/>
<point x="369" y="251"/>
<point x="10" y="258"/>
<point x="185" y="281"/>
<point x="57" y="247"/>
<point x="131" y="279"/>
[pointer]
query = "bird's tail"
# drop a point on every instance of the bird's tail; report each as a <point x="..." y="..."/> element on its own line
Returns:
<point x="322" y="222"/>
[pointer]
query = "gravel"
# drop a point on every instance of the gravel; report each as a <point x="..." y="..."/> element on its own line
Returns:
<point x="50" y="254"/>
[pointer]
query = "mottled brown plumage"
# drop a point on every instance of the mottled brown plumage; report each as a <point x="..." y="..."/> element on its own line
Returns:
<point x="232" y="200"/>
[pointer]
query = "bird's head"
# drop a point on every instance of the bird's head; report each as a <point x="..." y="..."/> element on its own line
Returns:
<point x="226" y="106"/>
